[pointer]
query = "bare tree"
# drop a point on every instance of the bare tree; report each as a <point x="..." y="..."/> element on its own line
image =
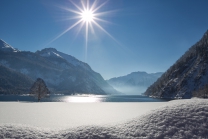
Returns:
<point x="39" y="89"/>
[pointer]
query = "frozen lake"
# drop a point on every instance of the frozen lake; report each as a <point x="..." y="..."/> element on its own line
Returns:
<point x="83" y="98"/>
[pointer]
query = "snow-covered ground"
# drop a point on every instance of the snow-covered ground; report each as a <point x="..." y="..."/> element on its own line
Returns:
<point x="66" y="115"/>
<point x="174" y="119"/>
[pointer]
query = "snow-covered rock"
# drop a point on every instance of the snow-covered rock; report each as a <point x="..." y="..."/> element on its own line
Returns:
<point x="6" y="47"/>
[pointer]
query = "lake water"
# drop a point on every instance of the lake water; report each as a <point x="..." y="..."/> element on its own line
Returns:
<point x="83" y="98"/>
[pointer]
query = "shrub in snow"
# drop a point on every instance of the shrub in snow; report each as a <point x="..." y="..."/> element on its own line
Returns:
<point x="39" y="89"/>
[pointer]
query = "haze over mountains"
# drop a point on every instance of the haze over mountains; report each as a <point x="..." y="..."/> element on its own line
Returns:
<point x="188" y="74"/>
<point x="61" y="72"/>
<point x="134" y="83"/>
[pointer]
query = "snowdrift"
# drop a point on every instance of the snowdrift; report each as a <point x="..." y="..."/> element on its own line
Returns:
<point x="176" y="119"/>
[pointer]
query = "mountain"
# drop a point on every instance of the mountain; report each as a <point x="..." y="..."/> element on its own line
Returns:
<point x="134" y="83"/>
<point x="62" y="73"/>
<point x="12" y="82"/>
<point x="6" y="47"/>
<point x="53" y="53"/>
<point x="187" y="75"/>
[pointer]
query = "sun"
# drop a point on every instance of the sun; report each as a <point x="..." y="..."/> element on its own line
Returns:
<point x="87" y="16"/>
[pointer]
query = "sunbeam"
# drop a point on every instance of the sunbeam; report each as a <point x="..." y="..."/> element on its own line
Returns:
<point x="65" y="31"/>
<point x="88" y="17"/>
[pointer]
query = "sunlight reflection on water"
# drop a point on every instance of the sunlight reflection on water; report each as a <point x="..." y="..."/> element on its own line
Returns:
<point x="81" y="99"/>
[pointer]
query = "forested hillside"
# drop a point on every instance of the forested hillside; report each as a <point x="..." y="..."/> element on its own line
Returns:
<point x="188" y="74"/>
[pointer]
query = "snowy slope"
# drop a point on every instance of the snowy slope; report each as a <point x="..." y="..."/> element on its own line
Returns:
<point x="52" y="52"/>
<point x="6" y="47"/>
<point x="188" y="74"/>
<point x="135" y="82"/>
<point x="177" y="119"/>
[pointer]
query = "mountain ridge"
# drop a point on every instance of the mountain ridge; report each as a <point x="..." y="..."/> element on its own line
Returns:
<point x="6" y="47"/>
<point x="189" y="73"/>
<point x="60" y="75"/>
<point x="134" y="83"/>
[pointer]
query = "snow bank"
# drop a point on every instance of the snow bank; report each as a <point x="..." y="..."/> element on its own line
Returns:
<point x="176" y="119"/>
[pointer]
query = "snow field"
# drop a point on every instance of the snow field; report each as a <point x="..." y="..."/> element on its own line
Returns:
<point x="175" y="119"/>
<point x="63" y="115"/>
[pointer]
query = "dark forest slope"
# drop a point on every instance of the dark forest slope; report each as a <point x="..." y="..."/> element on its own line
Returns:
<point x="188" y="74"/>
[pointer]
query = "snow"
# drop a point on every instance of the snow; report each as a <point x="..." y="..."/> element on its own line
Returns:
<point x="64" y="115"/>
<point x="47" y="54"/>
<point x="174" y="119"/>
<point x="6" y="47"/>
<point x="72" y="60"/>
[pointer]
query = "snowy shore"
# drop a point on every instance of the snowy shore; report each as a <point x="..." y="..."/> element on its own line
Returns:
<point x="174" y="119"/>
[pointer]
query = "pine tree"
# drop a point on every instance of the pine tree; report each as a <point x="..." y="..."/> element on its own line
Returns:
<point x="39" y="89"/>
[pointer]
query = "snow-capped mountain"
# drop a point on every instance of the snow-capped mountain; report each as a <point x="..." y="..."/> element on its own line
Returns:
<point x="61" y="72"/>
<point x="52" y="52"/>
<point x="6" y="47"/>
<point x="188" y="74"/>
<point x="134" y="83"/>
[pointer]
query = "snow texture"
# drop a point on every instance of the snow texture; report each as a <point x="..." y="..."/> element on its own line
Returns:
<point x="176" y="119"/>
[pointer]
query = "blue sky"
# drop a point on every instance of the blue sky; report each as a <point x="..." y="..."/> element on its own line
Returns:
<point x="149" y="35"/>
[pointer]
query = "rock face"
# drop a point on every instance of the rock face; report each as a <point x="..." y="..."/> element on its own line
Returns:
<point x="134" y="83"/>
<point x="62" y="73"/>
<point x="188" y="74"/>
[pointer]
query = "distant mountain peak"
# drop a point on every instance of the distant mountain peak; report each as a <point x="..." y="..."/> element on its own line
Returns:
<point x="49" y="52"/>
<point x="6" y="47"/>
<point x="135" y="82"/>
<point x="49" y="49"/>
<point x="139" y="72"/>
<point x="206" y="33"/>
<point x="205" y="37"/>
<point x="52" y="52"/>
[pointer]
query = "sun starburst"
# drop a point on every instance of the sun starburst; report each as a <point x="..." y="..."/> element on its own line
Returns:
<point x="88" y="17"/>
